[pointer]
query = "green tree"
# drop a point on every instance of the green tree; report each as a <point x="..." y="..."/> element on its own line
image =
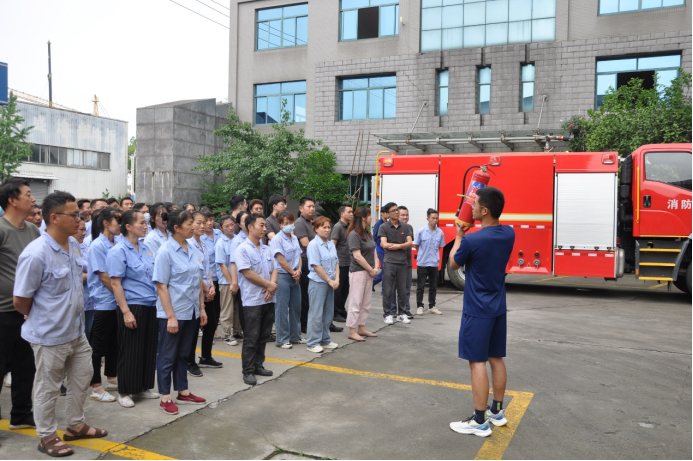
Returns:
<point x="13" y="146"/>
<point x="132" y="147"/>
<point x="632" y="116"/>
<point x="260" y="165"/>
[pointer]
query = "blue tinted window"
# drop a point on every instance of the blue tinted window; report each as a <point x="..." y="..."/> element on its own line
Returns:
<point x="367" y="98"/>
<point x="443" y="84"/>
<point x="383" y="14"/>
<point x="282" y="27"/>
<point x="626" y="6"/>
<point x="450" y="24"/>
<point x="270" y="97"/>
<point x="527" y="88"/>
<point x="608" y="71"/>
<point x="484" y="78"/>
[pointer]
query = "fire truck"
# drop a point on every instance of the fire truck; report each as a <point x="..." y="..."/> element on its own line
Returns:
<point x="574" y="213"/>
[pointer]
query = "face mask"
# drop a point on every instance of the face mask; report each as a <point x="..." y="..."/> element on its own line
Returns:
<point x="289" y="228"/>
<point x="147" y="217"/>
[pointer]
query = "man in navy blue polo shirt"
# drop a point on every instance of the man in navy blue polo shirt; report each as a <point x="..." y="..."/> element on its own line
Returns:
<point x="483" y="330"/>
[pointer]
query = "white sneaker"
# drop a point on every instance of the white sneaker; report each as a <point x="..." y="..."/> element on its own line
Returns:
<point x="388" y="320"/>
<point x="285" y="346"/>
<point x="105" y="397"/>
<point x="419" y="311"/>
<point x="498" y="419"/>
<point x="148" y="394"/>
<point x="403" y="318"/>
<point x="301" y="340"/>
<point x="316" y="349"/>
<point x="126" y="402"/>
<point x="8" y="379"/>
<point x="331" y="345"/>
<point x="434" y="310"/>
<point x="470" y="426"/>
<point x="230" y="341"/>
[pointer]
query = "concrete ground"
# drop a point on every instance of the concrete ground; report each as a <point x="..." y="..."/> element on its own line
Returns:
<point x="596" y="370"/>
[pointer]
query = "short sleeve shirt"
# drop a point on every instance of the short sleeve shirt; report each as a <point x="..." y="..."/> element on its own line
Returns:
<point x="182" y="273"/>
<point x="304" y="228"/>
<point x="84" y="252"/>
<point x="53" y="278"/>
<point x="394" y="234"/>
<point x="12" y="242"/>
<point x="286" y="245"/>
<point x="210" y="243"/>
<point x="260" y="261"/>
<point x="136" y="268"/>
<point x="155" y="239"/>
<point x="235" y="243"/>
<point x="484" y="255"/>
<point x="202" y="249"/>
<point x="429" y="243"/>
<point x="103" y="297"/>
<point x="339" y="234"/>
<point x="222" y="256"/>
<point x="323" y="254"/>
<point x="273" y="225"/>
<point x="367" y="247"/>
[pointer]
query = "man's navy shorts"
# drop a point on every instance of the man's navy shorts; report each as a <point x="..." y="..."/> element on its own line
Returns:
<point x="481" y="338"/>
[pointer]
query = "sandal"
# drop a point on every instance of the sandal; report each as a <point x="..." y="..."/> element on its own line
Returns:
<point x="49" y="447"/>
<point x="70" y="434"/>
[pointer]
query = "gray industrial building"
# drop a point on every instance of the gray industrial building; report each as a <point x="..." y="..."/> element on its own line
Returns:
<point x="444" y="68"/>
<point x="75" y="152"/>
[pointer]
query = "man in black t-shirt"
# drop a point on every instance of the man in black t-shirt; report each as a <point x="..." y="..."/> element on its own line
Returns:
<point x="277" y="203"/>
<point x="338" y="237"/>
<point x="304" y="233"/>
<point x="396" y="239"/>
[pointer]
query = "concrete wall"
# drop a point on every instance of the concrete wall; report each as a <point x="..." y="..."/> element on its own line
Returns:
<point x="565" y="69"/>
<point x="170" y="139"/>
<point x="74" y="130"/>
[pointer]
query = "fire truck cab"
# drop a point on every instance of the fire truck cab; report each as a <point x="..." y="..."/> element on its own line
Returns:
<point x="571" y="213"/>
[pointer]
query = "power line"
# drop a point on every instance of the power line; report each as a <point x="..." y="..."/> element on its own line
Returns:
<point x="213" y="9"/>
<point x="222" y="25"/>
<point x="220" y="5"/>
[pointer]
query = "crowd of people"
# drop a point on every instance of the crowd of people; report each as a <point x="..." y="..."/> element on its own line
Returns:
<point x="122" y="290"/>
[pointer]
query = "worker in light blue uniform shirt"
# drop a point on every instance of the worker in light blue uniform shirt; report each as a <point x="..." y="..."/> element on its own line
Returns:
<point x="130" y="266"/>
<point x="104" y="332"/>
<point x="427" y="242"/>
<point x="228" y="281"/>
<point x="159" y="233"/>
<point x="323" y="281"/>
<point x="286" y="251"/>
<point x="257" y="278"/>
<point x="84" y="254"/>
<point x="178" y="268"/>
<point x="238" y="319"/>
<point x="48" y="290"/>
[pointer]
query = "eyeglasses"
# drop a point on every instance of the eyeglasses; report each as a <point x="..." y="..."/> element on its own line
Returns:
<point x="75" y="215"/>
<point x="478" y="206"/>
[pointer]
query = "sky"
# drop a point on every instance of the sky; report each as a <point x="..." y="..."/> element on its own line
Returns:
<point x="130" y="53"/>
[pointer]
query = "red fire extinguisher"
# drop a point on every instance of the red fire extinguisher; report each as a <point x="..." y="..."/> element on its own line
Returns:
<point x="480" y="179"/>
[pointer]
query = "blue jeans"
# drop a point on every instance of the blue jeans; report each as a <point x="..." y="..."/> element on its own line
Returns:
<point x="379" y="278"/>
<point x="172" y="355"/>
<point x="287" y="309"/>
<point x="320" y="314"/>
<point x="88" y="322"/>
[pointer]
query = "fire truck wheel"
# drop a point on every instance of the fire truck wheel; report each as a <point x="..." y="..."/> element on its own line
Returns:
<point x="457" y="277"/>
<point x="688" y="277"/>
<point x="683" y="283"/>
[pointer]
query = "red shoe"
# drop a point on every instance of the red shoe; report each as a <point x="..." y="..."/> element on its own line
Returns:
<point x="190" y="399"/>
<point x="169" y="407"/>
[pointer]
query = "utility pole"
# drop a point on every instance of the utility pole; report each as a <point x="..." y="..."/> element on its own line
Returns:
<point x="50" y="77"/>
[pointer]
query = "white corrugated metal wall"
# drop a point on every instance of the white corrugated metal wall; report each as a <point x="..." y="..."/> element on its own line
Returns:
<point x="55" y="127"/>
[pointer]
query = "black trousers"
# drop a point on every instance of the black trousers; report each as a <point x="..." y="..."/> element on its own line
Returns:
<point x="256" y="335"/>
<point x="16" y="351"/>
<point x="238" y="307"/>
<point x="104" y="343"/>
<point x="213" y="310"/>
<point x="137" y="350"/>
<point x="394" y="279"/>
<point x="342" y="293"/>
<point x="422" y="273"/>
<point x="305" y="303"/>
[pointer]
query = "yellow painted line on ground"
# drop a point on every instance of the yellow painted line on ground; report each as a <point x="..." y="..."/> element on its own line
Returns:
<point x="551" y="278"/>
<point x="658" y="286"/>
<point x="104" y="446"/>
<point x="493" y="447"/>
<point x="628" y="287"/>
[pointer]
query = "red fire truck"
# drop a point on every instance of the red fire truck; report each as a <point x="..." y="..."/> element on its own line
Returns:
<point x="571" y="213"/>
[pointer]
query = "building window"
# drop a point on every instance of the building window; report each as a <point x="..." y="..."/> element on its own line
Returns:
<point x="614" y="73"/>
<point x="270" y="97"/>
<point x="282" y="27"/>
<point x="367" y="98"/>
<point x="527" y="88"/>
<point x="53" y="155"/>
<point x="450" y="24"/>
<point x="361" y="19"/>
<point x="626" y="6"/>
<point x="484" y="106"/>
<point x="443" y="80"/>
